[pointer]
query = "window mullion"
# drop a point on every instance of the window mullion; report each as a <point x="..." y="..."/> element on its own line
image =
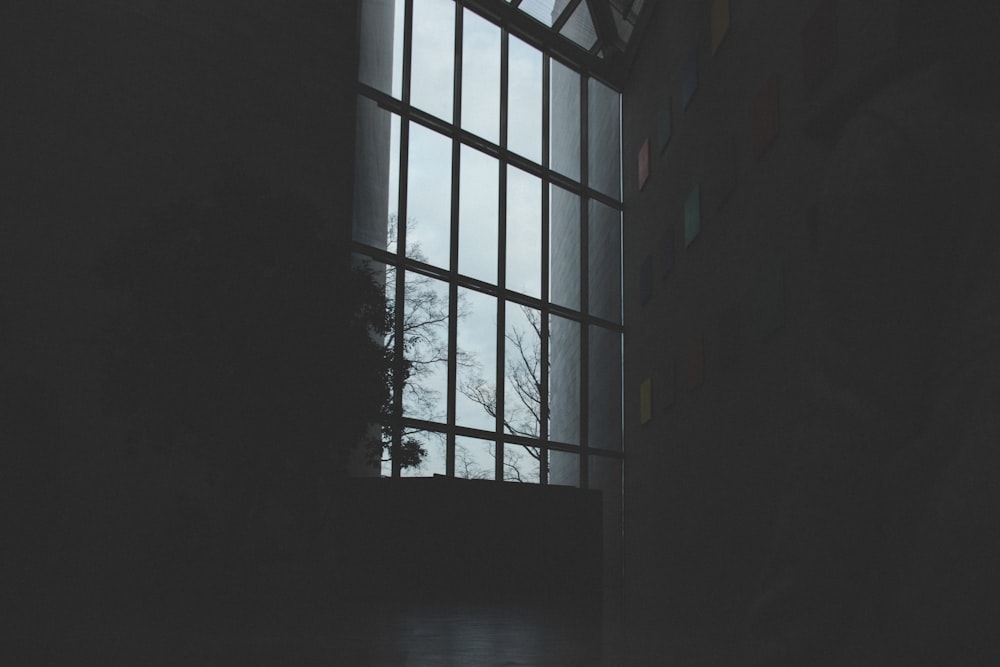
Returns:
<point x="584" y="287"/>
<point x="543" y="392"/>
<point x="399" y="301"/>
<point x="407" y="49"/>
<point x="456" y="153"/>
<point x="502" y="254"/>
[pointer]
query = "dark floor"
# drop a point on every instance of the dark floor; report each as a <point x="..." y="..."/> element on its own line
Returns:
<point x="413" y="635"/>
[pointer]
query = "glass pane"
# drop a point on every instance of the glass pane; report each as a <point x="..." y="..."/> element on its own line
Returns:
<point x="376" y="182"/>
<point x="564" y="248"/>
<point x="435" y="454"/>
<point x="481" y="77"/>
<point x="523" y="370"/>
<point x="474" y="458"/>
<point x="605" y="475"/>
<point x="604" y="139"/>
<point x="564" y="468"/>
<point x="478" y="230"/>
<point x="475" y="403"/>
<point x="521" y="464"/>
<point x="564" y="380"/>
<point x="524" y="232"/>
<point x="428" y="213"/>
<point x="604" y="395"/>
<point x="580" y="27"/>
<point x="524" y="100"/>
<point x="381" y="59"/>
<point x="542" y="10"/>
<point x="605" y="261"/>
<point x="425" y="336"/>
<point x="432" y="65"/>
<point x="564" y="124"/>
<point x="622" y="26"/>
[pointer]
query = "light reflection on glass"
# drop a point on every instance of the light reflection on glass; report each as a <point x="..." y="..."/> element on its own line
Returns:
<point x="564" y="248"/>
<point x="564" y="123"/>
<point x="478" y="230"/>
<point x="605" y="261"/>
<point x="475" y="402"/>
<point x="564" y="380"/>
<point x="481" y="77"/>
<point x="524" y="232"/>
<point x="524" y="112"/>
<point x="433" y="58"/>
<point x="604" y="139"/>
<point x="428" y="214"/>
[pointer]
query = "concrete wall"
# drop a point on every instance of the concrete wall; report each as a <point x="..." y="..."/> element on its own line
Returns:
<point x="431" y="539"/>
<point x="114" y="109"/>
<point x="724" y="328"/>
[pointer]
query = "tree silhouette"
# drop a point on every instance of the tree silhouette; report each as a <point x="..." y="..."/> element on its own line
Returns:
<point x="424" y="328"/>
<point x="523" y="409"/>
<point x="248" y="342"/>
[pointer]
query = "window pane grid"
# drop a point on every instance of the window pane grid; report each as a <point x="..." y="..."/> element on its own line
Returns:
<point x="418" y="117"/>
<point x="509" y="291"/>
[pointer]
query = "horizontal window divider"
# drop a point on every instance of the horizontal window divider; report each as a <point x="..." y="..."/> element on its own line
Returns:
<point x="605" y="453"/>
<point x="409" y="264"/>
<point x="377" y="254"/>
<point x="424" y="425"/>
<point x="509" y="438"/>
<point x="488" y="147"/>
<point x="607" y="324"/>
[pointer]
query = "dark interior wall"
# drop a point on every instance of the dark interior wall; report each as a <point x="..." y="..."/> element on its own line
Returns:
<point x="720" y="328"/>
<point x="440" y="539"/>
<point x="112" y="109"/>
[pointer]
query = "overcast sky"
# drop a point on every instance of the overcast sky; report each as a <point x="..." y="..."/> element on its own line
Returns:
<point x="429" y="180"/>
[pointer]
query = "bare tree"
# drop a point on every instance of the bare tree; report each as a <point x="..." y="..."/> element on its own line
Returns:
<point x="424" y="331"/>
<point x="523" y="407"/>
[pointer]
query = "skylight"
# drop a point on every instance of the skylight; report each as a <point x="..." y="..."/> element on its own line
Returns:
<point x="601" y="27"/>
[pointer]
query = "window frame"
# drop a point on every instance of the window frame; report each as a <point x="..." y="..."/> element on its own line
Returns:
<point x="407" y="115"/>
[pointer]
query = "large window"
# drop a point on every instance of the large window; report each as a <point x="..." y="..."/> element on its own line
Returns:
<point x="488" y="195"/>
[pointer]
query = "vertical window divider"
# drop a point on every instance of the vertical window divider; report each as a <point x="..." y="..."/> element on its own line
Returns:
<point x="399" y="352"/>
<point x="543" y="390"/>
<point x="502" y="255"/>
<point x="584" y="286"/>
<point x="456" y="152"/>
<point x="407" y="49"/>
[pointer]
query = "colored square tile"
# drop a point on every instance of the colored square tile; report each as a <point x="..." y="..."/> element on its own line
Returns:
<point x="692" y="216"/>
<point x="645" y="401"/>
<point x="720" y="23"/>
<point x="689" y="78"/>
<point x="644" y="164"/>
<point x="663" y="127"/>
